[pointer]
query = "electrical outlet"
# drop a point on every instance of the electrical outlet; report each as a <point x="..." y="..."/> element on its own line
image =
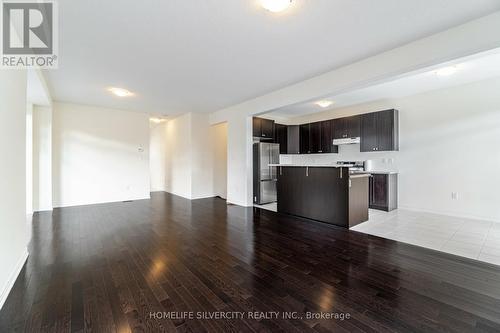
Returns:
<point x="391" y="161"/>
<point x="454" y="195"/>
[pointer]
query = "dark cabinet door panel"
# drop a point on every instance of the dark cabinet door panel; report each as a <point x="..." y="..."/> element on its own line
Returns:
<point x="326" y="137"/>
<point x="379" y="194"/>
<point x="281" y="137"/>
<point x="369" y="132"/>
<point x="352" y="126"/>
<point x="304" y="134"/>
<point x="339" y="128"/>
<point x="293" y="141"/>
<point x="315" y="138"/>
<point x="257" y="127"/>
<point x="383" y="191"/>
<point x="385" y="130"/>
<point x="267" y="128"/>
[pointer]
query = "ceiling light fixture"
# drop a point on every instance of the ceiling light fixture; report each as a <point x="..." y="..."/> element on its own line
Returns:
<point x="447" y="71"/>
<point x="120" y="92"/>
<point x="324" y="104"/>
<point x="156" y="120"/>
<point x="276" y="6"/>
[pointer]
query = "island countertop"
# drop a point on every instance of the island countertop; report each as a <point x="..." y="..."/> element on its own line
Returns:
<point x="375" y="172"/>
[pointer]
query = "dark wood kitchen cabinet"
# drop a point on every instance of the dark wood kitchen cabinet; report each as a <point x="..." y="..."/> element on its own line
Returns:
<point x="293" y="139"/>
<point x="281" y="137"/>
<point x="314" y="192"/>
<point x="383" y="192"/>
<point x="316" y="138"/>
<point x="304" y="131"/>
<point x="263" y="128"/>
<point x="347" y="127"/>
<point x="327" y="137"/>
<point x="380" y="131"/>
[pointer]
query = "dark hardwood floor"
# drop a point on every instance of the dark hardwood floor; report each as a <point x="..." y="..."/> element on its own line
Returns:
<point x="108" y="268"/>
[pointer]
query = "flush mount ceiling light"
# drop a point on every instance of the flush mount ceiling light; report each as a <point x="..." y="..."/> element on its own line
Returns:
<point x="447" y="71"/>
<point x="120" y="92"/>
<point x="324" y="104"/>
<point x="156" y="120"/>
<point x="276" y="6"/>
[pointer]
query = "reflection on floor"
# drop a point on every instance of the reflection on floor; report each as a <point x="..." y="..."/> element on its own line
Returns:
<point x="272" y="206"/>
<point x="469" y="238"/>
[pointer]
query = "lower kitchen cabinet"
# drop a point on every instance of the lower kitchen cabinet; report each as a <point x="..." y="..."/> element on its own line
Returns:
<point x="383" y="192"/>
<point x="317" y="193"/>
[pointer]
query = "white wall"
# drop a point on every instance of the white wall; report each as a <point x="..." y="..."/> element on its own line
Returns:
<point x="99" y="155"/>
<point x="13" y="228"/>
<point x="29" y="159"/>
<point x="42" y="158"/>
<point x="219" y="147"/>
<point x="158" y="156"/>
<point x="202" y="185"/>
<point x="481" y="35"/>
<point x="178" y="168"/>
<point x="450" y="142"/>
<point x="189" y="156"/>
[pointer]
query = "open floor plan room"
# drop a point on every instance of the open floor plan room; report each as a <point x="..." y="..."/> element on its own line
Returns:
<point x="169" y="254"/>
<point x="250" y="166"/>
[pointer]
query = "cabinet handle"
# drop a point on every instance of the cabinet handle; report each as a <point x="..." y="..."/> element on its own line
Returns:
<point x="307" y="171"/>
<point x="340" y="173"/>
<point x="320" y="151"/>
<point x="281" y="171"/>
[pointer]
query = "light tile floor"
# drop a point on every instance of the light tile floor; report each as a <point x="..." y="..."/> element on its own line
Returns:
<point x="469" y="238"/>
<point x="272" y="206"/>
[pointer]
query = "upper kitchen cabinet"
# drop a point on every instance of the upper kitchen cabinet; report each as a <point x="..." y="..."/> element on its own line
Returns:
<point x="348" y="127"/>
<point x="304" y="135"/>
<point x="281" y="137"/>
<point x="316" y="138"/>
<point x="327" y="137"/>
<point x="293" y="139"/>
<point x="263" y="128"/>
<point x="380" y="131"/>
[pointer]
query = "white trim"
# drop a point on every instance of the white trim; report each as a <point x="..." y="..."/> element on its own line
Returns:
<point x="238" y="204"/>
<point x="10" y="283"/>
<point x="101" y="202"/>
<point x="450" y="214"/>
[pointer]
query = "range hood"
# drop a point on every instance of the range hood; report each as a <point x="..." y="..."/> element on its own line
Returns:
<point x="346" y="141"/>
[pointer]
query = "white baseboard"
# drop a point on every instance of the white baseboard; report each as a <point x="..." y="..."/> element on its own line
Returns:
<point x="12" y="279"/>
<point x="451" y="214"/>
<point x="77" y="204"/>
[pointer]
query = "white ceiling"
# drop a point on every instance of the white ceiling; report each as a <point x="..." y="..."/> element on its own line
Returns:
<point x="470" y="69"/>
<point x="192" y="55"/>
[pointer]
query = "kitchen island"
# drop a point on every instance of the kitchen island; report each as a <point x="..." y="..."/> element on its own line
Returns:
<point x="324" y="193"/>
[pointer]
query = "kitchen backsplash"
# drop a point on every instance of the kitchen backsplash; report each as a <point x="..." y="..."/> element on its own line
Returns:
<point x="386" y="161"/>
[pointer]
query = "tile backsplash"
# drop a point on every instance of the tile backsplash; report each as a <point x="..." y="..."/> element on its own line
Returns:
<point x="386" y="161"/>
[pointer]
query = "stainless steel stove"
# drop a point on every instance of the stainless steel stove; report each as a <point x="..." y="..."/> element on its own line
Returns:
<point x="354" y="166"/>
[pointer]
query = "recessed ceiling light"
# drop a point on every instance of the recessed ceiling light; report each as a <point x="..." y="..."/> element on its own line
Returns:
<point x="446" y="71"/>
<point x="324" y="104"/>
<point x="276" y="6"/>
<point x="156" y="120"/>
<point x="120" y="92"/>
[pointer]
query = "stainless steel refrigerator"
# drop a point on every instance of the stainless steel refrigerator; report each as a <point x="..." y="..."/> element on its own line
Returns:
<point x="265" y="177"/>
